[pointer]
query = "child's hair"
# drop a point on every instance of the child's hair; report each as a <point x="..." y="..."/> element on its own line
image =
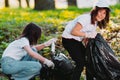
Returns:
<point x="103" y="23"/>
<point x="32" y="32"/>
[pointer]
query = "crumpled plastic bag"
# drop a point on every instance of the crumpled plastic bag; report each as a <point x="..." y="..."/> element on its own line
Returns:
<point x="101" y="62"/>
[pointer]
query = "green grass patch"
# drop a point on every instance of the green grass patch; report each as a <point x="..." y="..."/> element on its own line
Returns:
<point x="52" y="22"/>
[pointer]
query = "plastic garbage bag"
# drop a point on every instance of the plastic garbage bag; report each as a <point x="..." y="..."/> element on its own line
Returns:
<point x="46" y="73"/>
<point x="62" y="71"/>
<point x="101" y="63"/>
<point x="63" y="65"/>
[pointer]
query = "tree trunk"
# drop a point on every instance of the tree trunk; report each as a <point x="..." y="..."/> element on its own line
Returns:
<point x="20" y="3"/>
<point x="72" y="3"/>
<point x="44" y="4"/>
<point x="119" y="1"/>
<point x="6" y="3"/>
<point x="27" y="1"/>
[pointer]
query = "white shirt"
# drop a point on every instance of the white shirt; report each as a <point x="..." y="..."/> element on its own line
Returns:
<point x="15" y="49"/>
<point x="85" y="21"/>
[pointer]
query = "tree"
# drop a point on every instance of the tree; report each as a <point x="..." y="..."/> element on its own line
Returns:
<point x="44" y="4"/>
<point x="118" y="1"/>
<point x="6" y="3"/>
<point x="72" y="2"/>
<point x="20" y="3"/>
<point x="27" y="1"/>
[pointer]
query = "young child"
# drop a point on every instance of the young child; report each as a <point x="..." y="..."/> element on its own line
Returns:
<point x="20" y="58"/>
<point x="80" y="29"/>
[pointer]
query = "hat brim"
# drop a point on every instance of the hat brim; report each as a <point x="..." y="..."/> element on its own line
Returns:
<point x="105" y="8"/>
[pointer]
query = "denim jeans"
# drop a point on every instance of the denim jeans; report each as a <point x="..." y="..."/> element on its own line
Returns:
<point x="24" y="69"/>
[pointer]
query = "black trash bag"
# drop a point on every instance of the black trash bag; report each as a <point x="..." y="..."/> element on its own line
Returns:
<point x="63" y="67"/>
<point x="101" y="63"/>
<point x="62" y="71"/>
<point x="46" y="73"/>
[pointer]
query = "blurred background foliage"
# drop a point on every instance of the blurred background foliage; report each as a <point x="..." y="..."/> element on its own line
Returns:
<point x="52" y="22"/>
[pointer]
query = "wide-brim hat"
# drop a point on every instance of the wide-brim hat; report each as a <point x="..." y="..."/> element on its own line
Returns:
<point x="102" y="4"/>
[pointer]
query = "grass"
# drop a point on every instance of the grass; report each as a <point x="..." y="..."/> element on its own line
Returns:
<point x="52" y="22"/>
<point x="12" y="21"/>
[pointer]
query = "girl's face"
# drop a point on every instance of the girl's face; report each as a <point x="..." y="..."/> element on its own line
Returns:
<point x="101" y="15"/>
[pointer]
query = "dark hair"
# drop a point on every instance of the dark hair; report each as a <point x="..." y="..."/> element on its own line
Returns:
<point x="103" y="23"/>
<point x="32" y="32"/>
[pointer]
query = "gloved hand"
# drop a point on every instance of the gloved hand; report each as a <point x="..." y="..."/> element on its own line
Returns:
<point x="49" y="63"/>
<point x="90" y="34"/>
<point x="85" y="41"/>
<point x="49" y="42"/>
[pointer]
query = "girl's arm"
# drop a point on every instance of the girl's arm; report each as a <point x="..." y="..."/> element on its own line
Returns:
<point x="45" y="44"/>
<point x="76" y="30"/>
<point x="39" y="46"/>
<point x="37" y="56"/>
<point x="34" y="54"/>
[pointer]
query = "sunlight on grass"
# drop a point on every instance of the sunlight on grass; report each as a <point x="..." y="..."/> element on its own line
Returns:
<point x="117" y="11"/>
<point x="67" y="14"/>
<point x="52" y="22"/>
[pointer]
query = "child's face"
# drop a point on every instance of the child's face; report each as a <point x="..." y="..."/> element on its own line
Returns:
<point x="101" y="15"/>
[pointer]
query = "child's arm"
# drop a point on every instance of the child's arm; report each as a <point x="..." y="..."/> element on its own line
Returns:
<point x="37" y="56"/>
<point x="47" y="43"/>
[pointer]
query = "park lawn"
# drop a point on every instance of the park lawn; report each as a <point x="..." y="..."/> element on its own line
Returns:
<point x="52" y="22"/>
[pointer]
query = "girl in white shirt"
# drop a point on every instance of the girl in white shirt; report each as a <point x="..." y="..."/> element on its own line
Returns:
<point x="20" y="58"/>
<point x="79" y="30"/>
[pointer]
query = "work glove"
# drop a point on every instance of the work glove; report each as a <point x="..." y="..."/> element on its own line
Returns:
<point x="49" y="63"/>
<point x="90" y="34"/>
<point x="85" y="41"/>
<point x="49" y="42"/>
